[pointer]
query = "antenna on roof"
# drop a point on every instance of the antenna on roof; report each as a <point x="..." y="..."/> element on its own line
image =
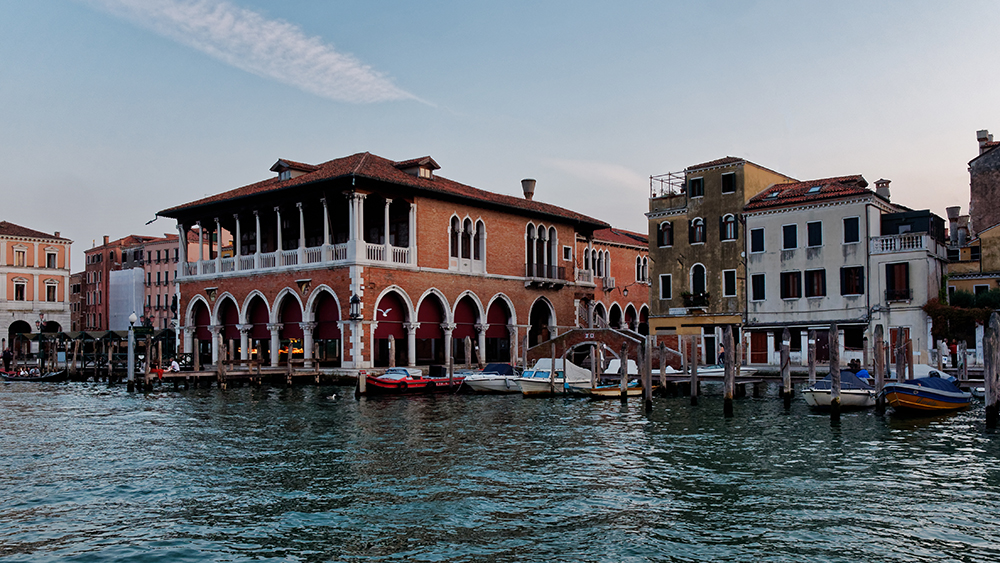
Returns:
<point x="155" y="217"/>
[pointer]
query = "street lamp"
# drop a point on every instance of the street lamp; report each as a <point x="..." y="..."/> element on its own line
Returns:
<point x="131" y="351"/>
<point x="355" y="307"/>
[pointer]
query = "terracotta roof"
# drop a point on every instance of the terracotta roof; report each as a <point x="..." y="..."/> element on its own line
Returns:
<point x="367" y="165"/>
<point x="621" y="236"/>
<point x="284" y="163"/>
<point x="781" y="195"/>
<point x="11" y="230"/>
<point x="717" y="162"/>
<point x="129" y="241"/>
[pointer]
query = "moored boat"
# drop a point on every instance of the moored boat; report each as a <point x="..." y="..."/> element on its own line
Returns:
<point x="855" y="393"/>
<point x="538" y="381"/>
<point x="494" y="378"/>
<point x="409" y="381"/>
<point x="926" y="394"/>
<point x="34" y="375"/>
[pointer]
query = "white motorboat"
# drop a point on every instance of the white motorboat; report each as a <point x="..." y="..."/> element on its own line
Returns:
<point x="494" y="378"/>
<point x="713" y="370"/>
<point x="538" y="381"/>
<point x="855" y="393"/>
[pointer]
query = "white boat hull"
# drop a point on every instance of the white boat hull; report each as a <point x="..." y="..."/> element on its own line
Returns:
<point x="493" y="383"/>
<point x="536" y="386"/>
<point x="849" y="398"/>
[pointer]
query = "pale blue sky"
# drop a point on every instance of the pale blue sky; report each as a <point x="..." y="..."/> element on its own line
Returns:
<point x="114" y="109"/>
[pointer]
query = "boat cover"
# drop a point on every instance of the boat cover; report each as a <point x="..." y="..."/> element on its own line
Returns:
<point x="847" y="381"/>
<point x="499" y="369"/>
<point x="939" y="383"/>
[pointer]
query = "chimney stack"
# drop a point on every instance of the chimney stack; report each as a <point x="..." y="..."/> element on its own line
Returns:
<point x="57" y="234"/>
<point x="528" y="185"/>
<point x="106" y="240"/>
<point x="882" y="188"/>
<point x="953" y="213"/>
<point x="983" y="136"/>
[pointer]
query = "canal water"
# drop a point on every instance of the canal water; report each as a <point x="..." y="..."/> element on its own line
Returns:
<point x="92" y="473"/>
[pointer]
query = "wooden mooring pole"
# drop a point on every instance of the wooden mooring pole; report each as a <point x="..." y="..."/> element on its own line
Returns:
<point x="834" y="374"/>
<point x="786" y="368"/>
<point x="694" y="370"/>
<point x="647" y="374"/>
<point x="879" y="354"/>
<point x="663" y="366"/>
<point x="729" y="384"/>
<point x="623" y="373"/>
<point x="812" y="357"/>
<point x="991" y="370"/>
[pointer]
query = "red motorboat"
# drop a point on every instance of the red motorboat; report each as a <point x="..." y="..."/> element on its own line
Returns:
<point x="409" y="381"/>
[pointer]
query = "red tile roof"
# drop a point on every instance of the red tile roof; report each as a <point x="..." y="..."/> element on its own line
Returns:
<point x="367" y="165"/>
<point x="11" y="230"/>
<point x="284" y="163"/>
<point x="798" y="192"/>
<point x="621" y="236"/>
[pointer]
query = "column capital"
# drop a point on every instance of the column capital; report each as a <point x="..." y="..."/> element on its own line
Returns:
<point x="256" y="213"/>
<point x="448" y="327"/>
<point x="298" y="204"/>
<point x="277" y="209"/>
<point x="236" y="216"/>
<point x="411" y="327"/>
<point x="275" y="327"/>
<point x="245" y="329"/>
<point x="323" y="201"/>
<point x="388" y="200"/>
<point x="216" y="329"/>
<point x="480" y="327"/>
<point x="307" y="326"/>
<point x="189" y="330"/>
<point x="216" y="219"/>
<point x="198" y="222"/>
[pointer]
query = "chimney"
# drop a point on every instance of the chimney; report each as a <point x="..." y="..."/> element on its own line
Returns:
<point x="528" y="185"/>
<point x="57" y="234"/>
<point x="983" y="136"/>
<point x="965" y="229"/>
<point x="106" y="240"/>
<point x="882" y="188"/>
<point x="953" y="213"/>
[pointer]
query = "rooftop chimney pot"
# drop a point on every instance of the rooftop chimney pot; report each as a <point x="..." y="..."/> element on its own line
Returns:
<point x="882" y="188"/>
<point x="528" y="185"/>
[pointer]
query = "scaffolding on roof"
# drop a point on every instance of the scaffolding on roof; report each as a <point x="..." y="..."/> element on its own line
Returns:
<point x="671" y="183"/>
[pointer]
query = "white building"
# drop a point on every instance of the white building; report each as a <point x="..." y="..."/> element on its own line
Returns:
<point x="831" y="250"/>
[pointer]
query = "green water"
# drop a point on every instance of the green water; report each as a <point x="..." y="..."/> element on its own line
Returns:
<point x="92" y="473"/>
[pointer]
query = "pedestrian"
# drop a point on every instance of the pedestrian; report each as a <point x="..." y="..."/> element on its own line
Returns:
<point x="722" y="354"/>
<point x="953" y="347"/>
<point x="7" y="357"/>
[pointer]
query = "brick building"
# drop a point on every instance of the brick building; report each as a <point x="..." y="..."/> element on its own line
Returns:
<point x="341" y="262"/>
<point x="619" y="260"/>
<point x="34" y="283"/>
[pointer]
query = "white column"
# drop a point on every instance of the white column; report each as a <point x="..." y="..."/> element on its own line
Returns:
<point x="512" y="332"/>
<point x="302" y="234"/>
<point x="277" y="211"/>
<point x="804" y="346"/>
<point x="201" y="246"/>
<point x="256" y="254"/>
<point x="237" y="244"/>
<point x="189" y="340"/>
<point x="275" y="342"/>
<point x="245" y="341"/>
<point x="307" y="342"/>
<point x="218" y="246"/>
<point x="388" y="256"/>
<point x="413" y="234"/>
<point x="447" y="327"/>
<point x="411" y="343"/>
<point x="774" y="357"/>
<point x="326" y="231"/>
<point x="481" y="342"/>
<point x="216" y="330"/>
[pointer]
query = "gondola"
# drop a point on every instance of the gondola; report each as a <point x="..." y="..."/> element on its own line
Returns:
<point x="35" y="375"/>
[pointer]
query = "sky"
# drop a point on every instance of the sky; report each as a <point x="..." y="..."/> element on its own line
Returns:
<point x="111" y="110"/>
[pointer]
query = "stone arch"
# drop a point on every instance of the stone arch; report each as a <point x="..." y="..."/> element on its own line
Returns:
<point x="446" y="309"/>
<point x="615" y="315"/>
<point x="644" y="320"/>
<point x="246" y="304"/>
<point x="469" y="317"/>
<point x="392" y="311"/>
<point x="508" y="301"/>
<point x="631" y="317"/>
<point x="541" y="321"/>
<point x="432" y="312"/>
<point x="698" y="279"/>
<point x="227" y="316"/>
<point x="309" y="309"/>
<point x="257" y="314"/>
<point x="287" y="312"/>
<point x="499" y="316"/>
<point x="189" y="312"/>
<point x="600" y="312"/>
<point x="323" y="309"/>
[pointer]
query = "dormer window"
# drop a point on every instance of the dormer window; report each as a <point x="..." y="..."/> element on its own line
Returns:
<point x="288" y="169"/>
<point x="419" y="167"/>
<point x="285" y="175"/>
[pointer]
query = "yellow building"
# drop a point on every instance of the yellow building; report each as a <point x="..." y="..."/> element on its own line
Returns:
<point x="696" y="247"/>
<point x="977" y="269"/>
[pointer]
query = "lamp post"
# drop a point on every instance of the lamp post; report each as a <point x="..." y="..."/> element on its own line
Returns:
<point x="131" y="351"/>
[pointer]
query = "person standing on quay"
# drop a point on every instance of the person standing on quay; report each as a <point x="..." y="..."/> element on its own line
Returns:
<point x="7" y="357"/>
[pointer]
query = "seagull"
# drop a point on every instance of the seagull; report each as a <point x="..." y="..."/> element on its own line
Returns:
<point x="332" y="397"/>
<point x="385" y="312"/>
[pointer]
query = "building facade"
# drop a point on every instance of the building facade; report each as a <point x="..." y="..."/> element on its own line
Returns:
<point x="34" y="283"/>
<point x="696" y="241"/>
<point x="617" y="261"/>
<point x="362" y="261"/>
<point x="984" y="183"/>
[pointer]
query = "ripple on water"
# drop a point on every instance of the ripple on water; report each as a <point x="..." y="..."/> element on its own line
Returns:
<point x="93" y="473"/>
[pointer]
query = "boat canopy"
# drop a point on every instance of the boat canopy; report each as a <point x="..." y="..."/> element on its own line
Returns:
<point x="939" y="383"/>
<point x="499" y="369"/>
<point x="847" y="381"/>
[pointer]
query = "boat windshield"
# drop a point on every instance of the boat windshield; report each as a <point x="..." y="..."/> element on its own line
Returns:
<point x="540" y="374"/>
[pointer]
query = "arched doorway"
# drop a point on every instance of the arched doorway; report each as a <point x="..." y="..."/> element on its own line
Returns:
<point x="391" y="313"/>
<point x="600" y="315"/>
<point x="630" y="317"/>
<point x="203" y="336"/>
<point x="540" y="319"/>
<point x="327" y="334"/>
<point x="430" y="335"/>
<point x="466" y="319"/>
<point x="19" y="345"/>
<point x="615" y="316"/>
<point x="258" y="318"/>
<point x="497" y="334"/>
<point x="290" y="334"/>
<point x="644" y="320"/>
<point x="229" y="320"/>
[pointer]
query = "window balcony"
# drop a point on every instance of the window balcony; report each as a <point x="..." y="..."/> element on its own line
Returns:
<point x="544" y="275"/>
<point x="698" y="300"/>
<point x="899" y="294"/>
<point x="333" y="254"/>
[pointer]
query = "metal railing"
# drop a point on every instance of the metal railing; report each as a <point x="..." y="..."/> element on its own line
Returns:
<point x="900" y="294"/>
<point x="545" y="271"/>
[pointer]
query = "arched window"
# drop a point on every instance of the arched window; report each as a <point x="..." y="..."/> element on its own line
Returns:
<point x="696" y="231"/>
<point x="665" y="234"/>
<point x="727" y="226"/>
<point x="638" y="268"/>
<point x="479" y="241"/>
<point x="553" y="248"/>
<point x="529" y="248"/>
<point x="586" y="259"/>
<point x="455" y="231"/>
<point x="645" y="268"/>
<point x="467" y="238"/>
<point x="697" y="280"/>
<point x="607" y="264"/>
<point x="599" y="264"/>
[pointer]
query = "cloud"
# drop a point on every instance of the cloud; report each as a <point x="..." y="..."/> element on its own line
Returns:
<point x="601" y="173"/>
<point x="268" y="48"/>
